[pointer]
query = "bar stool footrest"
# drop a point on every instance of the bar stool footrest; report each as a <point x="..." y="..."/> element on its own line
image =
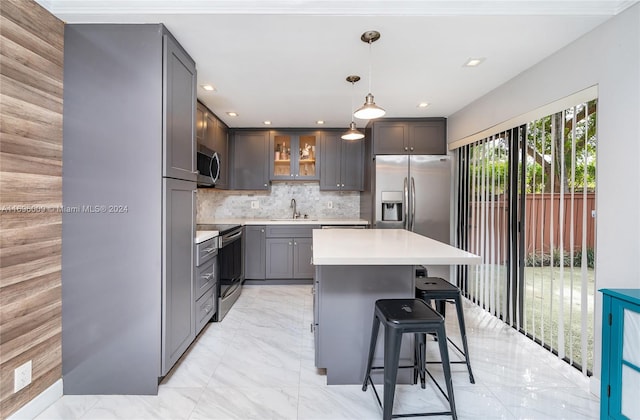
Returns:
<point x="393" y="416"/>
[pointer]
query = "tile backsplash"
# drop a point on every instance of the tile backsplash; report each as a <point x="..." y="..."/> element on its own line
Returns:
<point x="219" y="204"/>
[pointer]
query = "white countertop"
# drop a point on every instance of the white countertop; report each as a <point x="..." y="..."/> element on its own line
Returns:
<point x="203" y="235"/>
<point x="284" y="221"/>
<point x="383" y="247"/>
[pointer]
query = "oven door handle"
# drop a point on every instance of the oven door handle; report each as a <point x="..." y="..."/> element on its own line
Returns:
<point x="232" y="288"/>
<point x="227" y="239"/>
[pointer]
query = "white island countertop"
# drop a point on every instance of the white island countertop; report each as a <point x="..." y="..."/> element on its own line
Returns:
<point x="384" y="247"/>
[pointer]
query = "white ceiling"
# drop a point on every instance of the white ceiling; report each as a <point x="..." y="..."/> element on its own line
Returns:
<point x="286" y="61"/>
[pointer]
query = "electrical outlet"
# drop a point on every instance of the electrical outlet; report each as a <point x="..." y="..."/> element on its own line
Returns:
<point x="22" y="376"/>
<point x="255" y="204"/>
<point x="329" y="204"/>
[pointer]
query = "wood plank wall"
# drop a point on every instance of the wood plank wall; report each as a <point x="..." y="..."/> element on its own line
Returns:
<point x="31" y="54"/>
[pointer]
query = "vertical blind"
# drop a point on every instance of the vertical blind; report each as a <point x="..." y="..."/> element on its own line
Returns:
<point x="526" y="204"/>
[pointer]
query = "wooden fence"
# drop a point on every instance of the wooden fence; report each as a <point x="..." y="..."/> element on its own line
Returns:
<point x="488" y="224"/>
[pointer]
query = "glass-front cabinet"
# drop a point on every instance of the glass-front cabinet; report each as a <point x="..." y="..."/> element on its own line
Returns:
<point x="620" y="382"/>
<point x="293" y="155"/>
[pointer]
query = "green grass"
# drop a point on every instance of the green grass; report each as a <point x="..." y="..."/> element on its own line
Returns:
<point x="541" y="304"/>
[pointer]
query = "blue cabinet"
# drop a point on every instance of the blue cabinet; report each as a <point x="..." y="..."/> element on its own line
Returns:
<point x="620" y="386"/>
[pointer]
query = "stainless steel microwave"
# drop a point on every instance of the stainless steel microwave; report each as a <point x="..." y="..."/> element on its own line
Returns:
<point x="208" y="167"/>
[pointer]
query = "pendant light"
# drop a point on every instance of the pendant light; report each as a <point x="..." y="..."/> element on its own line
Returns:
<point x="352" y="133"/>
<point x="369" y="110"/>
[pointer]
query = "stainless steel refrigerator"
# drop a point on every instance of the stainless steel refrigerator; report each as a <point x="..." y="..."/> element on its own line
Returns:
<point x="413" y="192"/>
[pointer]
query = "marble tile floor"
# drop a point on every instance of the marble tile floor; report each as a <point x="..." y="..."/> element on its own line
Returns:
<point x="258" y="364"/>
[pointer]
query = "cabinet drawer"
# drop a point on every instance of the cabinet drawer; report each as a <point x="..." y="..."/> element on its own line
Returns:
<point x="206" y="276"/>
<point x="291" y="231"/>
<point x="206" y="250"/>
<point x="205" y="308"/>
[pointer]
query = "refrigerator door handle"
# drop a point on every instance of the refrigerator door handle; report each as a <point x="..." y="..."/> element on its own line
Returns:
<point x="413" y="205"/>
<point x="405" y="205"/>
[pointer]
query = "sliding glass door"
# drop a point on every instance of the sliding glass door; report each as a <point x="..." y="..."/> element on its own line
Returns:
<point x="527" y="206"/>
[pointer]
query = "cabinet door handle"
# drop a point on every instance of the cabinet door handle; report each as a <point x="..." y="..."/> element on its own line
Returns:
<point x="406" y="148"/>
<point x="295" y="243"/>
<point x="289" y="243"/>
<point x="262" y="230"/>
<point x="342" y="185"/>
<point x="265" y="185"/>
<point x="291" y="175"/>
<point x="412" y="149"/>
<point x="337" y="185"/>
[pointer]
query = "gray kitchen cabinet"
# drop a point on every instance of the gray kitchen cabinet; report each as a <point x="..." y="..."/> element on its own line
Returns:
<point x="212" y="133"/>
<point x="250" y="160"/>
<point x="341" y="163"/>
<point x="254" y="252"/>
<point x="216" y="139"/>
<point x="302" y="256"/>
<point x="419" y="136"/>
<point x="179" y="218"/>
<point x="205" y="282"/>
<point x="221" y="146"/>
<point x="205" y="308"/>
<point x="201" y="111"/>
<point x="128" y="263"/>
<point x="279" y="263"/>
<point x="289" y="252"/>
<point x="179" y="100"/>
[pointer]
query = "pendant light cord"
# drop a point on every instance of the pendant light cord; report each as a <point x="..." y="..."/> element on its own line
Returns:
<point x="370" y="65"/>
<point x="353" y="86"/>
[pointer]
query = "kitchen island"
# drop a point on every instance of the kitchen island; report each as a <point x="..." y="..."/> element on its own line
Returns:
<point x="354" y="268"/>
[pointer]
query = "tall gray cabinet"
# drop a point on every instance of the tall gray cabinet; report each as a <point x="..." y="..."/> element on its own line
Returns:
<point x="129" y="180"/>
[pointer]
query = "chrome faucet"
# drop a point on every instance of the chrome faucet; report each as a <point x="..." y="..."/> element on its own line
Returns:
<point x="293" y="206"/>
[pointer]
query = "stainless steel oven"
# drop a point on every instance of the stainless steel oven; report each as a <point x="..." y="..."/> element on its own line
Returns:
<point x="230" y="265"/>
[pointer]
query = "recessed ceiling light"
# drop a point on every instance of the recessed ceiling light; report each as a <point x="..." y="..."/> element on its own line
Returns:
<point x="474" y="62"/>
<point x="319" y="122"/>
<point x="267" y="122"/>
<point x="423" y="104"/>
<point x="209" y="88"/>
<point x="232" y="114"/>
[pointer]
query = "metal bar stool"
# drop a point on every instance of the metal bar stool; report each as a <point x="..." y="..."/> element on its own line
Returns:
<point x="401" y="316"/>
<point x="440" y="290"/>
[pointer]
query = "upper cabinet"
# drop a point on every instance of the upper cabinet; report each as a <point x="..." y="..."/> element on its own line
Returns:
<point x="201" y="111"/>
<point x="341" y="163"/>
<point x="179" y="99"/>
<point x="214" y="134"/>
<point x="217" y="139"/>
<point x="424" y="136"/>
<point x="293" y="155"/>
<point x="250" y="160"/>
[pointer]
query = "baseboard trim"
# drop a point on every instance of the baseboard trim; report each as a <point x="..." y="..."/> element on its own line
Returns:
<point x="594" y="386"/>
<point x="40" y="403"/>
<point x="277" y="282"/>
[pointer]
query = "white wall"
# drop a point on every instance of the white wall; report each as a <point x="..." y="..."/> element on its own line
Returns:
<point x="609" y="57"/>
